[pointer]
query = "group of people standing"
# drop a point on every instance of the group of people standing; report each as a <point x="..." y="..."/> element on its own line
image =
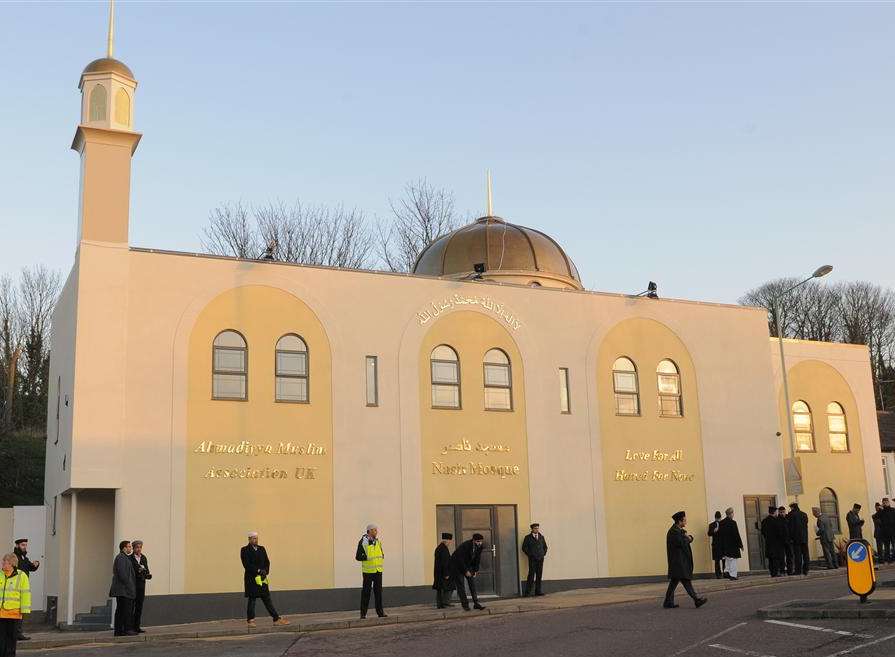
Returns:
<point x="786" y="539"/>
<point x="727" y="545"/>
<point x="130" y="570"/>
<point x="884" y="531"/>
<point x="15" y="596"/>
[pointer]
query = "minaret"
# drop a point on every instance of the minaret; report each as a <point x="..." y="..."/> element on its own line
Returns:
<point x="106" y="141"/>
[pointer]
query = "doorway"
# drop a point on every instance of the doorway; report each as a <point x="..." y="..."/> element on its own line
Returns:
<point x="756" y="509"/>
<point x="499" y="568"/>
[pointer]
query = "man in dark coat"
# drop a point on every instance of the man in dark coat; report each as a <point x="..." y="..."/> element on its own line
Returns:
<point x="465" y="562"/>
<point x="257" y="568"/>
<point x="788" y="552"/>
<point x="773" y="543"/>
<point x="26" y="566"/>
<point x="717" y="551"/>
<point x="441" y="577"/>
<point x="797" y="523"/>
<point x="141" y="572"/>
<point x="731" y="543"/>
<point x="887" y="526"/>
<point x="124" y="590"/>
<point x="535" y="548"/>
<point x="680" y="561"/>
<point x="855" y="523"/>
<point x="878" y="533"/>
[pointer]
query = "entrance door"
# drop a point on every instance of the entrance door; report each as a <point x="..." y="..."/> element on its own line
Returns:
<point x="756" y="510"/>
<point x="499" y="568"/>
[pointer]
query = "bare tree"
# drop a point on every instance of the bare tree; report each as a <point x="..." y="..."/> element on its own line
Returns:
<point x="423" y="214"/>
<point x="38" y="291"/>
<point x="10" y="348"/>
<point x="770" y="296"/>
<point x="230" y="232"/>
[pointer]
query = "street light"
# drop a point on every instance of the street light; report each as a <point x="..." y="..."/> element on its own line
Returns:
<point x="818" y="273"/>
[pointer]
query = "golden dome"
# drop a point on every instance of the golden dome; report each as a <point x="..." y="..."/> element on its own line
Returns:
<point x="108" y="65"/>
<point x="510" y="253"/>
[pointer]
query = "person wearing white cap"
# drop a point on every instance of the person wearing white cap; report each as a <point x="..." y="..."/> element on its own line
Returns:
<point x="257" y="567"/>
<point x="369" y="553"/>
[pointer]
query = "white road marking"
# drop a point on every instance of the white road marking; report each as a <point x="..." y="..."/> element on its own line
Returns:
<point x="738" y="651"/>
<point x="820" y="629"/>
<point x="711" y="638"/>
<point x="863" y="645"/>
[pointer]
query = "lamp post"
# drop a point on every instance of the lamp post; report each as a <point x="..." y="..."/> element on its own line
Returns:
<point x="818" y="273"/>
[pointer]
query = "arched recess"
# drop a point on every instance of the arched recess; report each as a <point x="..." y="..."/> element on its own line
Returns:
<point x="99" y="103"/>
<point x="652" y="465"/>
<point x="246" y="463"/>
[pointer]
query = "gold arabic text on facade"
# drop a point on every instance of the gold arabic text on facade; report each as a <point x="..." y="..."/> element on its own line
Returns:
<point x="436" y="308"/>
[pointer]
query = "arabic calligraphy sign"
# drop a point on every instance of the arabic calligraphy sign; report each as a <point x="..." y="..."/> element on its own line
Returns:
<point x="436" y="308"/>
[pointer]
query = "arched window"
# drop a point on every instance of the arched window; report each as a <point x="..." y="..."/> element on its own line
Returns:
<point x="230" y="366"/>
<point x="122" y="107"/>
<point x="498" y="381"/>
<point x="445" y="369"/>
<point x="837" y="428"/>
<point x="98" y="103"/>
<point x="829" y="506"/>
<point x="292" y="369"/>
<point x="804" y="427"/>
<point x="669" y="380"/>
<point x="624" y="383"/>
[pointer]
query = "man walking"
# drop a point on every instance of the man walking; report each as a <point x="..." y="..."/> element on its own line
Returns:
<point x="855" y="523"/>
<point x="256" y="567"/>
<point x="26" y="566"/>
<point x="773" y="546"/>
<point x="825" y="534"/>
<point x="124" y="590"/>
<point x="465" y="562"/>
<point x="887" y="526"/>
<point x="680" y="561"/>
<point x="731" y="543"/>
<point x="797" y="522"/>
<point x="788" y="556"/>
<point x="370" y="554"/>
<point x="441" y="577"/>
<point x="141" y="572"/>
<point x="535" y="548"/>
<point x="717" y="551"/>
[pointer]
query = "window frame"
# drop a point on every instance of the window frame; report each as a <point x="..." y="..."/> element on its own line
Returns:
<point x="306" y="376"/>
<point x="375" y="361"/>
<point x="679" y="396"/>
<point x="831" y="433"/>
<point x="485" y="385"/>
<point x="795" y="431"/>
<point x="215" y="371"/>
<point x="565" y="394"/>
<point x="834" y="517"/>
<point x="432" y="383"/>
<point x="625" y="393"/>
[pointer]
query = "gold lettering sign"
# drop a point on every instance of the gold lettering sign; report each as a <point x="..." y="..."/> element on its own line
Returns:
<point x="463" y="445"/>
<point x="435" y="308"/>
<point x="656" y="456"/>
<point x="474" y="468"/>
<point x="246" y="448"/>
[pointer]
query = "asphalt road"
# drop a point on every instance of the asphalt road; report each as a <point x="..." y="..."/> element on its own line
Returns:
<point x="726" y="627"/>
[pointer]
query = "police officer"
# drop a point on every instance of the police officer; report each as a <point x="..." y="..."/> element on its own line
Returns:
<point x="26" y="566"/>
<point x="370" y="554"/>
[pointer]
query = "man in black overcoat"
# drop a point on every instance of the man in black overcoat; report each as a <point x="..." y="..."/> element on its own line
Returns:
<point x="773" y="545"/>
<point x="878" y="532"/>
<point x="887" y="525"/>
<point x="26" y="566"/>
<point x="717" y="552"/>
<point x="124" y="590"/>
<point x="786" y="539"/>
<point x="257" y="568"/>
<point x="680" y="561"/>
<point x="731" y="544"/>
<point x="534" y="546"/>
<point x="141" y="572"/>
<point x="441" y="577"/>
<point x="465" y="562"/>
<point x="797" y="524"/>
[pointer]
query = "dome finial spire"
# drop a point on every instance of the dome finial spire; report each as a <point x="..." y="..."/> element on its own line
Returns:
<point x="490" y="208"/>
<point x="110" y="45"/>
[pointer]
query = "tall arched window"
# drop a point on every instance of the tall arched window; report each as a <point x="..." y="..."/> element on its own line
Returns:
<point x="829" y="506"/>
<point x="292" y="369"/>
<point x="99" y="101"/>
<point x="669" y="381"/>
<point x="498" y="381"/>
<point x="230" y="366"/>
<point x="837" y="428"/>
<point x="804" y="427"/>
<point x="624" y="384"/>
<point x="445" y="369"/>
<point x="122" y="107"/>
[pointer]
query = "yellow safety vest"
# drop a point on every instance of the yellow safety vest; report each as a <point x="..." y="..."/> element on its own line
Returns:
<point x="15" y="594"/>
<point x="373" y="562"/>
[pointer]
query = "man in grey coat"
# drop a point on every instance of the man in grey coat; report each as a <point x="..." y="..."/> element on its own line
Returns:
<point x="855" y="523"/>
<point x="124" y="590"/>
<point x="825" y="534"/>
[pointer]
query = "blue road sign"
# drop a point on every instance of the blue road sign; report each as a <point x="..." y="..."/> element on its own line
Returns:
<point x="857" y="552"/>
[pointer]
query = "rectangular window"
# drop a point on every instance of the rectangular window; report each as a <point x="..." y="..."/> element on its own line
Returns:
<point x="886" y="481"/>
<point x="564" y="403"/>
<point x="372" y="373"/>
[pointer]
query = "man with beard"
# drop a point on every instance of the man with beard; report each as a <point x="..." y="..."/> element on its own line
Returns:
<point x="441" y="578"/>
<point x="773" y="546"/>
<point x="731" y="543"/>
<point x="465" y="562"/>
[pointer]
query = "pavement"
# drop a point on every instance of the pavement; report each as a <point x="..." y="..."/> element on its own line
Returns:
<point x="880" y="604"/>
<point x="347" y="620"/>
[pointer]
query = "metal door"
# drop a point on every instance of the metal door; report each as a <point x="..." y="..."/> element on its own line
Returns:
<point x="756" y="508"/>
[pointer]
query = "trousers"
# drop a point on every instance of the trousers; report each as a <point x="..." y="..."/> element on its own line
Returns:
<point x="138" y="607"/>
<point x="268" y="604"/>
<point x="829" y="553"/>
<point x="535" y="573"/>
<point x="372" y="582"/>
<point x="730" y="566"/>
<point x="800" y="559"/>
<point x="789" y="554"/>
<point x="461" y="589"/>
<point x="8" y="634"/>
<point x="672" y="587"/>
<point x="124" y="615"/>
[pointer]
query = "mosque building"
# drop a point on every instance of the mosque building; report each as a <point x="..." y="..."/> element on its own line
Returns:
<point x="194" y="398"/>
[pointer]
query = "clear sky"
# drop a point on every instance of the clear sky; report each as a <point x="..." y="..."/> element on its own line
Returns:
<point x="708" y="147"/>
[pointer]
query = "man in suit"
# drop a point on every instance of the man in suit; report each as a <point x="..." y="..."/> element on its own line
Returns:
<point x="887" y="527"/>
<point x="826" y="536"/>
<point x="788" y="552"/>
<point x="124" y="590"/>
<point x="680" y="561"/>
<point x="257" y="567"/>
<point x="465" y="562"/>
<point x="855" y="523"/>
<point x="441" y="577"/>
<point x="717" y="551"/>
<point x="141" y="572"/>
<point x="878" y="533"/>
<point x="731" y="544"/>
<point x="26" y="566"/>
<point x="773" y="545"/>
<point x="534" y="546"/>
<point x="797" y="523"/>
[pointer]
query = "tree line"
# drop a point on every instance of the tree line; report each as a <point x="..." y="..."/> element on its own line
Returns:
<point x="856" y="312"/>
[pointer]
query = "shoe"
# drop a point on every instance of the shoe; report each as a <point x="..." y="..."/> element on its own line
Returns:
<point x="382" y="615"/>
<point x="22" y="637"/>
<point x="131" y="633"/>
<point x="251" y="623"/>
<point x="465" y="607"/>
<point x="141" y="630"/>
<point x="525" y="595"/>
<point x="440" y="606"/>
<point x="670" y="606"/>
<point x="539" y="593"/>
<point x="700" y="602"/>
<point x="478" y="606"/>
<point x="281" y="621"/>
<point x="732" y="579"/>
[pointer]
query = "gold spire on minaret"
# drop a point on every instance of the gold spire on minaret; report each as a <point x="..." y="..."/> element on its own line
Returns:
<point x="110" y="46"/>
<point x="490" y="208"/>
